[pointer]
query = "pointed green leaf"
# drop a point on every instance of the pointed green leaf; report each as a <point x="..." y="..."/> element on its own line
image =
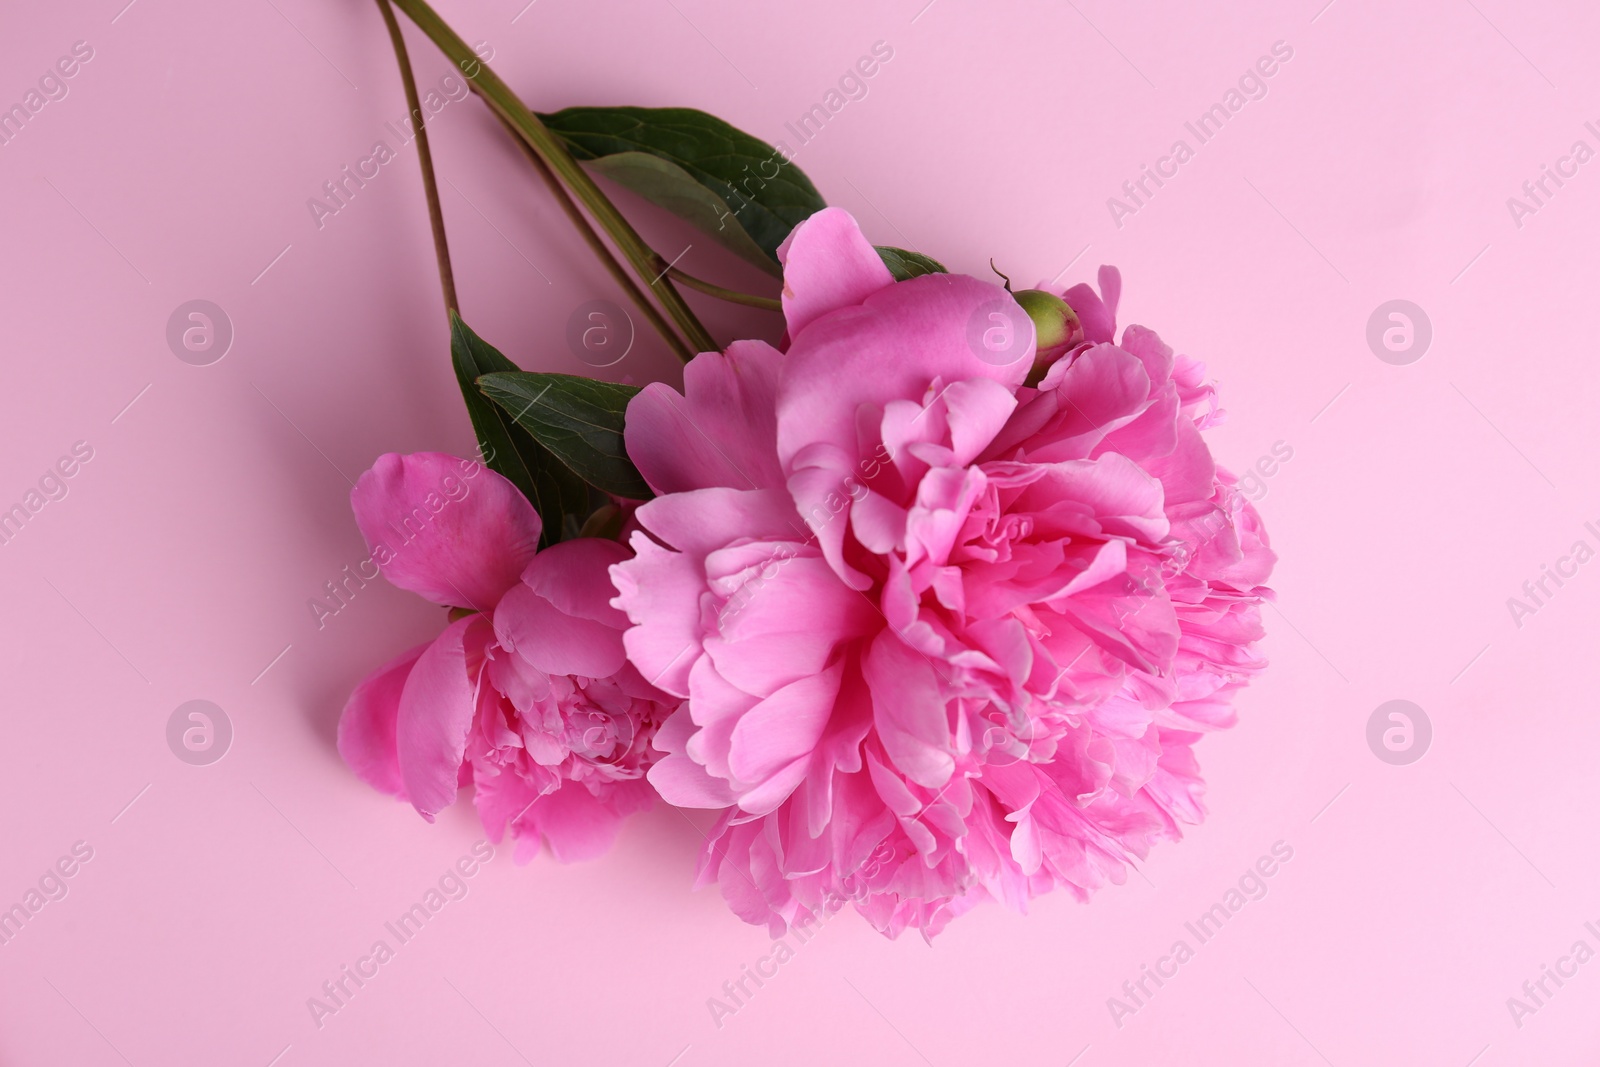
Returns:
<point x="561" y="498"/>
<point x="578" y="419"/>
<point x="669" y="186"/>
<point x="751" y="195"/>
<point x="904" y="265"/>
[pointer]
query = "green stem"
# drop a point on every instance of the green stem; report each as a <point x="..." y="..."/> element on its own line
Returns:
<point x="618" y="272"/>
<point x="487" y="84"/>
<point x="441" y="247"/>
<point x="733" y="296"/>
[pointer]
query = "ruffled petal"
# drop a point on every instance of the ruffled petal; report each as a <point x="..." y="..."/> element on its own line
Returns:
<point x="680" y="780"/>
<point x="1097" y="316"/>
<point x="718" y="432"/>
<point x="904" y="343"/>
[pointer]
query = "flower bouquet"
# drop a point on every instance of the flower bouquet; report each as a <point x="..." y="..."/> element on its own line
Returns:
<point x="930" y="602"/>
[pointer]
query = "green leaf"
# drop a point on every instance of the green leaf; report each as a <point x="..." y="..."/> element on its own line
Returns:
<point x="735" y="187"/>
<point x="561" y="498"/>
<point x="669" y="186"/>
<point x="903" y="264"/>
<point x="578" y="419"/>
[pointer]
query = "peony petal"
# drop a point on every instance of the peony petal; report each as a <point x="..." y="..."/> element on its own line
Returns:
<point x="580" y="826"/>
<point x="718" y="432"/>
<point x="559" y="618"/>
<point x="1187" y="473"/>
<point x="500" y="798"/>
<point x="1110" y="280"/>
<point x="772" y="791"/>
<point x="447" y="529"/>
<point x="789" y="627"/>
<point x="660" y="590"/>
<point x="517" y="680"/>
<point x="550" y="640"/>
<point x="784" y="727"/>
<point x="715" y="705"/>
<point x="1157" y="357"/>
<point x="702" y="521"/>
<point x="367" y="726"/>
<point x="436" y="711"/>
<point x="1097" y="317"/>
<point x="893" y="347"/>
<point x="827" y="265"/>
<point x="684" y="783"/>
<point x="976" y="412"/>
<point x="909" y="711"/>
<point x="575" y="577"/>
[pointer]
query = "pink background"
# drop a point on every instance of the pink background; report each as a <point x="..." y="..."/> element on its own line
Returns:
<point x="180" y="564"/>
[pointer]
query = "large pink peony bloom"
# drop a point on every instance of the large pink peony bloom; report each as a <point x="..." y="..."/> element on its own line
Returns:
<point x="944" y="636"/>
<point x="528" y="694"/>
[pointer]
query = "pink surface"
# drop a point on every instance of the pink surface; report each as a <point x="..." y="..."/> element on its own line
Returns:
<point x="1418" y="498"/>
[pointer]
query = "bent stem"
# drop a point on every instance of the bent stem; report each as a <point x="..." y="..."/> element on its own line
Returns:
<point x="487" y="84"/>
<point x="733" y="296"/>
<point x="430" y="187"/>
<point x="617" y="271"/>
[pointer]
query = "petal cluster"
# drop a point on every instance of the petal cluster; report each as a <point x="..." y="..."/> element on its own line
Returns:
<point x="940" y="636"/>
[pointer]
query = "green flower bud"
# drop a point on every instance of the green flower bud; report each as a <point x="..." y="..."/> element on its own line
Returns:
<point x="1055" y="326"/>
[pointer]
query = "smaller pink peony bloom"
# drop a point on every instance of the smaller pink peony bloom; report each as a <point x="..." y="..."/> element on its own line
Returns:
<point x="528" y="694"/>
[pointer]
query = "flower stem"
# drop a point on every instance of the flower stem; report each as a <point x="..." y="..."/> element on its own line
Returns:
<point x="441" y="246"/>
<point x="487" y="84"/>
<point x="618" y="272"/>
<point x="731" y="295"/>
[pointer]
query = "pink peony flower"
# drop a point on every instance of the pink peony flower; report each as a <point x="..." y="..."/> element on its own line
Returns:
<point x="527" y="694"/>
<point x="943" y="636"/>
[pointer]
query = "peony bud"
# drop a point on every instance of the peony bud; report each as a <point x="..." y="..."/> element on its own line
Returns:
<point x="1055" y="325"/>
